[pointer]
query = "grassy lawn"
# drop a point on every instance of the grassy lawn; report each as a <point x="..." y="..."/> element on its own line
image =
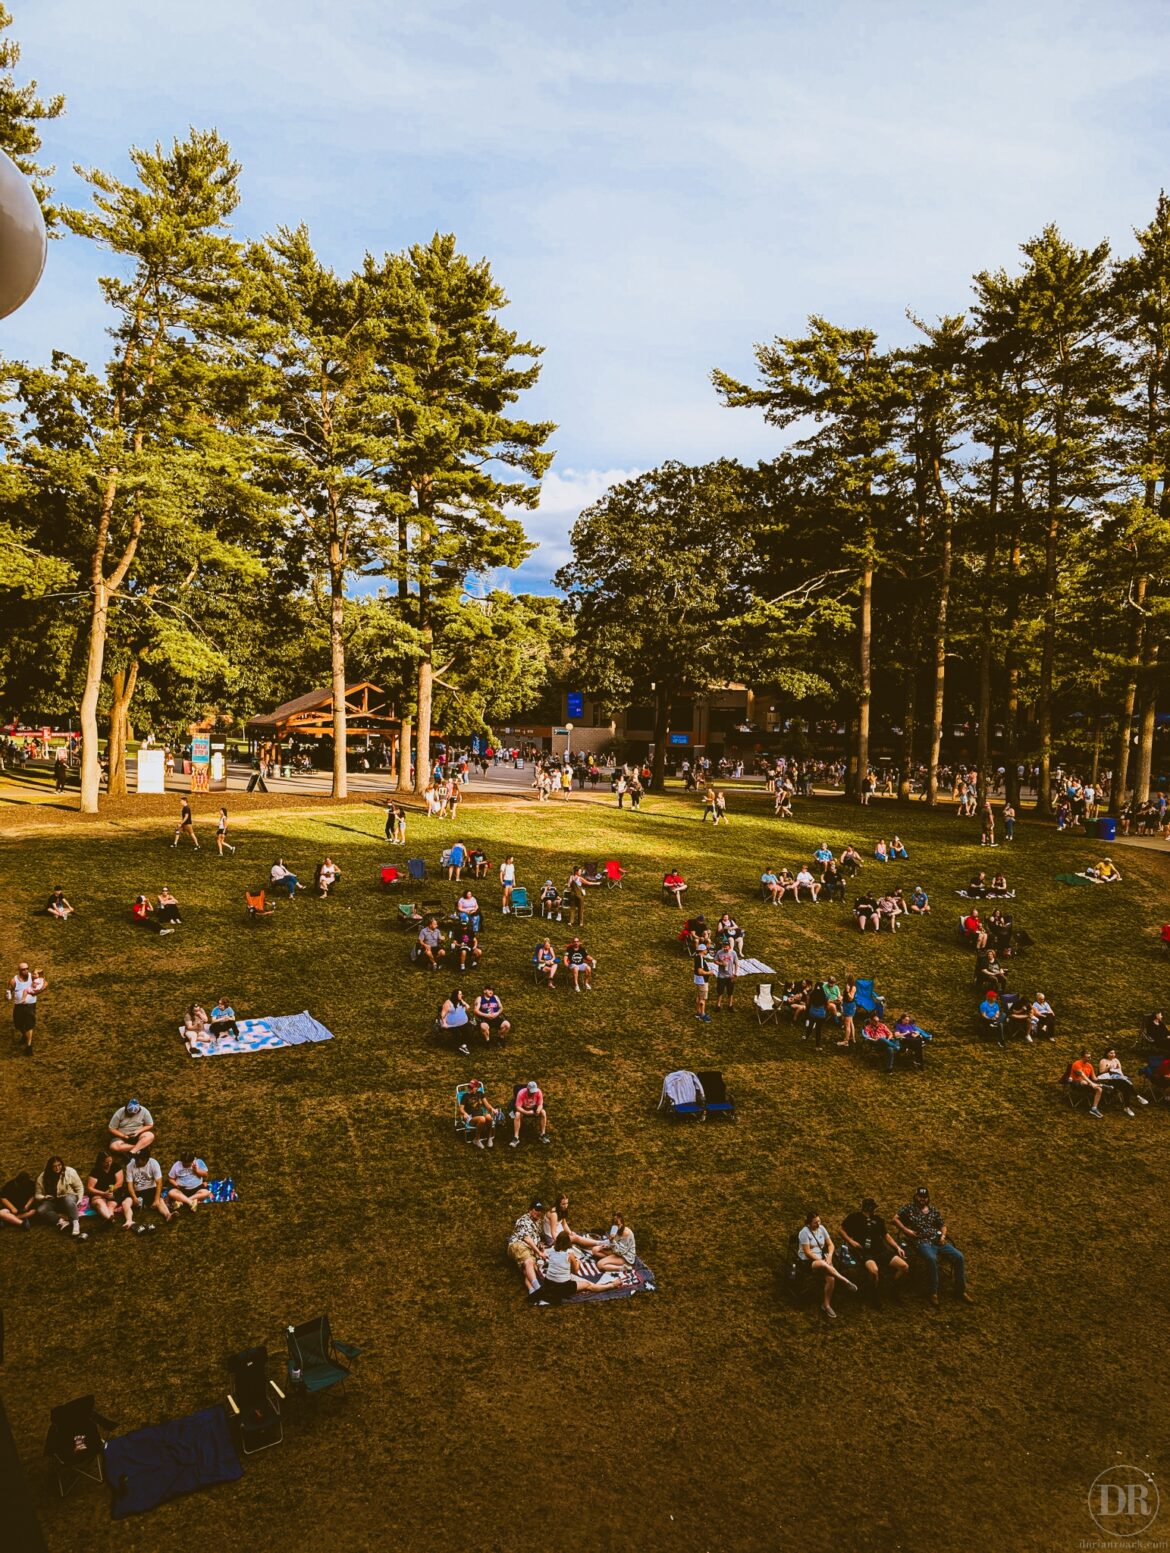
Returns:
<point x="711" y="1415"/>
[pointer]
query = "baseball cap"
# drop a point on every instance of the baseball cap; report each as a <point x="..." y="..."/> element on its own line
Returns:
<point x="922" y="1192"/>
<point x="133" y="1105"/>
<point x="536" y="1206"/>
<point x="532" y="1086"/>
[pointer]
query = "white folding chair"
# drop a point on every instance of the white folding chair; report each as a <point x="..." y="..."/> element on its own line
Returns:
<point x="763" y="1003"/>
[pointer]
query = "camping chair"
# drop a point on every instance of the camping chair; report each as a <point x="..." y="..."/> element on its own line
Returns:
<point x="76" y="1442"/>
<point x="537" y="974"/>
<point x="255" y="1411"/>
<point x="316" y="1359"/>
<point x="418" y="870"/>
<point x="525" y="1116"/>
<point x="521" y="905"/>
<point x="1080" y="1096"/>
<point x="719" y="1101"/>
<point x="408" y="914"/>
<point x="614" y="874"/>
<point x="256" y="907"/>
<point x="390" y="876"/>
<point x="764" y="1004"/>
<point x="463" y="1127"/>
<point x="869" y="1001"/>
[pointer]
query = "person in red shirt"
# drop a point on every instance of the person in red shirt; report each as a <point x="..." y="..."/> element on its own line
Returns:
<point x="1083" y="1072"/>
<point x="675" y="884"/>
<point x="529" y="1102"/>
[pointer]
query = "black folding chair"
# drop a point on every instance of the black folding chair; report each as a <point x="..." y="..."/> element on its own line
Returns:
<point x="316" y="1359"/>
<point x="76" y="1443"/>
<point x="255" y="1401"/>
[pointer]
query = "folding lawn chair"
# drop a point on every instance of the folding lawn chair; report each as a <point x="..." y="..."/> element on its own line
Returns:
<point x="256" y="906"/>
<point x="614" y="874"/>
<point x="764" y="1004"/>
<point x="390" y="876"/>
<point x="408" y="914"/>
<point x="682" y="1094"/>
<point x="255" y="1401"/>
<point x="76" y="1443"/>
<point x="418" y="870"/>
<point x="521" y="905"/>
<point x="316" y="1359"/>
<point x="719" y="1101"/>
<point x="868" y="1000"/>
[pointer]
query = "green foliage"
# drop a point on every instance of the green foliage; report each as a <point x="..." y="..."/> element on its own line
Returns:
<point x="22" y="111"/>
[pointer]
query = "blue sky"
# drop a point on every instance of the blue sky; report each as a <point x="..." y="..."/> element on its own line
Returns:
<point x="657" y="185"/>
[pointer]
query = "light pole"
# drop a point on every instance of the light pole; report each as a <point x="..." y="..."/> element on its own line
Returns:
<point x="568" y="741"/>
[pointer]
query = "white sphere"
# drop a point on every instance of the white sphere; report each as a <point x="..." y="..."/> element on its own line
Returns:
<point x="23" y="243"/>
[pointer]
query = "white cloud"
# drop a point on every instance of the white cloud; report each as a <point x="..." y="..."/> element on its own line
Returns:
<point x="564" y="494"/>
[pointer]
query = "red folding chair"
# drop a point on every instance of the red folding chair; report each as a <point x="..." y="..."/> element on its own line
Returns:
<point x="614" y="874"/>
<point x="390" y="876"/>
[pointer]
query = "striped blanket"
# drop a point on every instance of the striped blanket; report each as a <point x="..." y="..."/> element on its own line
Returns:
<point x="634" y="1280"/>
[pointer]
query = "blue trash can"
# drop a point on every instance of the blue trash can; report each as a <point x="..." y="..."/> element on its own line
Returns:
<point x="1106" y="828"/>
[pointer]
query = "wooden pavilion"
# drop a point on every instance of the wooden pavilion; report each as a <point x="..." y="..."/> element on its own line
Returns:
<point x="369" y="719"/>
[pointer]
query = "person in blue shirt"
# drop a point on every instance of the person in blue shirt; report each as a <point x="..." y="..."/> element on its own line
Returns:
<point x="991" y="1012"/>
<point x="456" y="858"/>
<point x="823" y="854"/>
<point x="919" y="901"/>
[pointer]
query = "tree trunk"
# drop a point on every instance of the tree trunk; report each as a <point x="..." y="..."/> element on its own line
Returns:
<point x="88" y="710"/>
<point x="122" y="686"/>
<point x="1144" y="764"/>
<point x="940" y="646"/>
<point x="337" y="668"/>
<point x="864" y="662"/>
<point x="1011" y="664"/>
<point x="661" y="719"/>
<point x="1133" y="663"/>
<point x="1095" y="770"/>
<point x="1048" y="646"/>
<point x="404" y="755"/>
<point x="909" y="729"/>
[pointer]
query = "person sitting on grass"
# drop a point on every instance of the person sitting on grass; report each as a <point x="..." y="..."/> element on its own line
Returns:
<point x="282" y="878"/>
<point x="907" y="1032"/>
<point x="196" y="1026"/>
<point x="524" y="1245"/>
<point x="998" y="888"/>
<point x="168" y="907"/>
<point x="144" y="915"/>
<point x="550" y="901"/>
<point x="1042" y="1021"/>
<point x="58" y="906"/>
<point x="1104" y="872"/>
<point x="328" y="874"/>
<point x="489" y="1015"/>
<point x="467" y="906"/>
<point x="556" y="1219"/>
<point x="823" y="854"/>
<point x="976" y="887"/>
<point x="580" y="964"/>
<point x="428" y="947"/>
<point x="479" y="1114"/>
<point x="131" y="1128"/>
<point x="805" y="881"/>
<point x="187" y="1182"/>
<point x="1110" y="1072"/>
<point x="882" y="852"/>
<point x="465" y="947"/>
<point x="59" y="1189"/>
<point x="865" y="910"/>
<point x="144" y="1187"/>
<point x="889" y="910"/>
<point x="772" y="885"/>
<point x="850" y="861"/>
<point x="814" y="1248"/>
<point x="223" y="1018"/>
<point x="529" y="1102"/>
<point x="561" y="1278"/>
<point x="991" y="1011"/>
<point x="106" y="1189"/>
<point x="674" y="884"/>
<point x="881" y="1039"/>
<point x="920" y="902"/>
<point x="620" y="1248"/>
<point x="898" y="850"/>
<point x="973" y="929"/>
<point x="18" y="1201"/>
<point x="877" y="1250"/>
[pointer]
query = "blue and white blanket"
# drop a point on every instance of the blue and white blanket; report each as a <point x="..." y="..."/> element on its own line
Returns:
<point x="259" y="1035"/>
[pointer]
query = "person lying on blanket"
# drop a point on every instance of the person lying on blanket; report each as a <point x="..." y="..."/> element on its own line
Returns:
<point x="621" y="1252"/>
<point x="562" y="1279"/>
<point x="1104" y="872"/>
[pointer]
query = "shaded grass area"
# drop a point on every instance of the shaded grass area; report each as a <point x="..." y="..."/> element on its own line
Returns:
<point x="713" y="1402"/>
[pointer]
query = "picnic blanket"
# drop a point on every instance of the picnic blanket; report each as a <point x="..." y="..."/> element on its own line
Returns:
<point x="754" y="968"/>
<point x="150" y="1466"/>
<point x="258" y="1035"/>
<point x="634" y="1280"/>
<point x="1075" y="879"/>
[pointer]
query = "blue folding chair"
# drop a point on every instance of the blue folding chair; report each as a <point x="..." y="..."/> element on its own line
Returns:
<point x="521" y="905"/>
<point x="868" y="1000"/>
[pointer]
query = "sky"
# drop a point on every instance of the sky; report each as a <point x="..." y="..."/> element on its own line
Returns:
<point x="658" y="186"/>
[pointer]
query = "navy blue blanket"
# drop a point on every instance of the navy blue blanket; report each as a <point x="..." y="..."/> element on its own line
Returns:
<point x="150" y="1466"/>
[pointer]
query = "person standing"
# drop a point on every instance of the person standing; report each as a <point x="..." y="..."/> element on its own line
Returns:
<point x="60" y="771"/>
<point x="221" y="840"/>
<point x="507" y="883"/>
<point x="702" y="970"/>
<point x="720" y="814"/>
<point x="574" y="897"/>
<point x="186" y="826"/>
<point x="23" y="990"/>
<point x="1009" y="822"/>
<point x="709" y="806"/>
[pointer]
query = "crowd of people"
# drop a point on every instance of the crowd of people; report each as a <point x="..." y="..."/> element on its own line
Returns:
<point x="544" y="1247"/>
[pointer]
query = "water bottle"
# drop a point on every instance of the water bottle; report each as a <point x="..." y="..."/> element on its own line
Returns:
<point x="294" y="1369"/>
